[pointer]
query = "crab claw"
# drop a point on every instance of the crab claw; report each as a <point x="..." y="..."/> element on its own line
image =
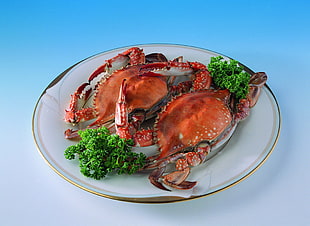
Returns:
<point x="75" y="115"/>
<point x="177" y="179"/>
<point x="133" y="56"/>
<point x="257" y="81"/>
<point x="200" y="75"/>
<point x="155" y="176"/>
<point x="121" y="115"/>
<point x="243" y="109"/>
<point x="183" y="162"/>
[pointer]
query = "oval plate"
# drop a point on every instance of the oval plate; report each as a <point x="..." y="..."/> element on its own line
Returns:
<point x="249" y="147"/>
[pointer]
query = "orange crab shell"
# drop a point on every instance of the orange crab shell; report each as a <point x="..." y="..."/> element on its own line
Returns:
<point x="142" y="92"/>
<point x="191" y="118"/>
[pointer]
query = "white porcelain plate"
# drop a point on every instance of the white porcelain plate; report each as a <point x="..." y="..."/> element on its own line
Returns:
<point x="252" y="143"/>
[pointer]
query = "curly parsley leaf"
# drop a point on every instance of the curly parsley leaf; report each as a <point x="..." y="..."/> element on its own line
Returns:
<point x="100" y="152"/>
<point x="229" y="75"/>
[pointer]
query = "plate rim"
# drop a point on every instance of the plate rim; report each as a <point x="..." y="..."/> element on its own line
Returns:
<point x="155" y="199"/>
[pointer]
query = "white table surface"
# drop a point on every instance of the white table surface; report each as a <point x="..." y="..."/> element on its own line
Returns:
<point x="40" y="39"/>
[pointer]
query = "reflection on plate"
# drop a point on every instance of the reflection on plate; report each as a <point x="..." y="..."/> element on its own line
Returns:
<point x="247" y="150"/>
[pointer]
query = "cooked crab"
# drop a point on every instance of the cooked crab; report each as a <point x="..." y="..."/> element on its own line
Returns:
<point x="147" y="87"/>
<point x="191" y="125"/>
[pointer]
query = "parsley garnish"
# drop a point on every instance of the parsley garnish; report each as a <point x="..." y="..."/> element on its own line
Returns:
<point x="229" y="75"/>
<point x="100" y="152"/>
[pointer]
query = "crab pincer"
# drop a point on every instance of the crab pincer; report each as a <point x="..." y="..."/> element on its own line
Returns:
<point x="183" y="162"/>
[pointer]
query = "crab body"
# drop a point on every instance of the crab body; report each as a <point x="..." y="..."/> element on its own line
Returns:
<point x="192" y="118"/>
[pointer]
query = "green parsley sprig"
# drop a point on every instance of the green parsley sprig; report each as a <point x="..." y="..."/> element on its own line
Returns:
<point x="229" y="75"/>
<point x="100" y="152"/>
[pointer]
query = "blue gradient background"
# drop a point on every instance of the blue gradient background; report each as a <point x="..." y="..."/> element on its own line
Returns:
<point x="40" y="39"/>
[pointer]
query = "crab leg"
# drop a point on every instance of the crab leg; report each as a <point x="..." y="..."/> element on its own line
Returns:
<point x="132" y="56"/>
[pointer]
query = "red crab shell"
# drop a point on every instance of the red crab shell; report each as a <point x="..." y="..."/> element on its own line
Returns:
<point x="192" y="118"/>
<point x="142" y="93"/>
